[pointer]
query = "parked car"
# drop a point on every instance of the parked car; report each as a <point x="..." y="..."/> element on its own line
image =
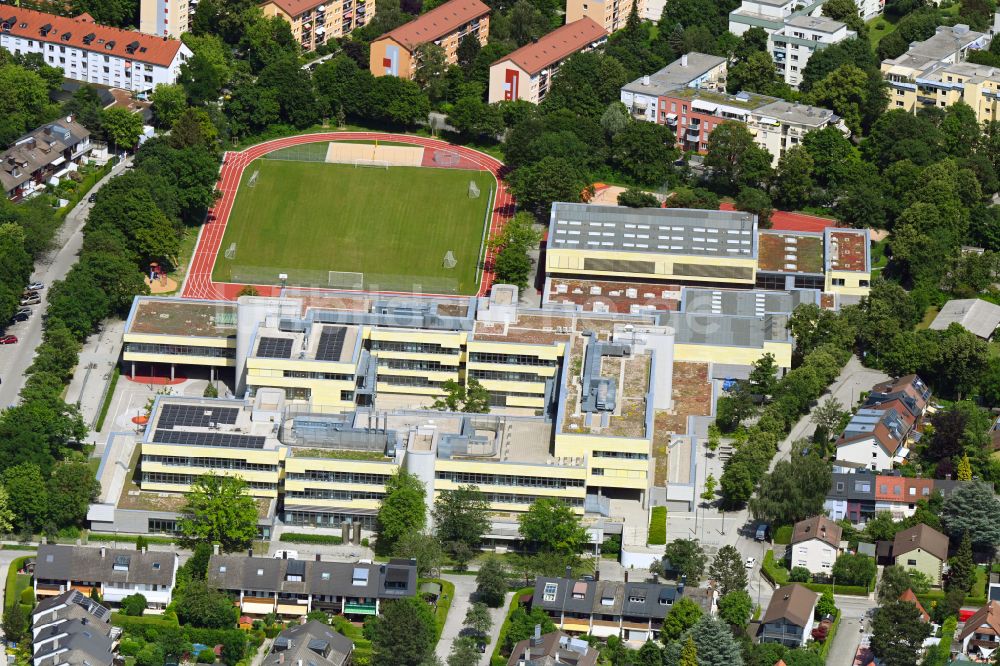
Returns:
<point x="26" y="311"/>
<point x="31" y="300"/>
<point x="36" y="286"/>
<point x="19" y="317"/>
<point x="28" y="293"/>
<point x="92" y="198"/>
<point x="763" y="532"/>
<point x="8" y="340"/>
<point x="751" y="562"/>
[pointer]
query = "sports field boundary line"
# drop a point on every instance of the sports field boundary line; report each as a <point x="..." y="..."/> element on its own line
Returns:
<point x="481" y="259"/>
<point x="199" y="283"/>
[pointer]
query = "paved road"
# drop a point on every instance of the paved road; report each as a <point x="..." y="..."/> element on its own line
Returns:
<point x="465" y="588"/>
<point x="15" y="359"/>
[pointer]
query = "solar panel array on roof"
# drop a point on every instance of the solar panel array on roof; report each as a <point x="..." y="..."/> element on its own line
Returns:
<point x="397" y="575"/>
<point x="296" y="568"/>
<point x="274" y="348"/>
<point x="331" y="343"/>
<point x="221" y="439"/>
<point x="195" y="416"/>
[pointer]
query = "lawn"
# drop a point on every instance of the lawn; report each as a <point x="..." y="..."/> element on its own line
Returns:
<point x="394" y="225"/>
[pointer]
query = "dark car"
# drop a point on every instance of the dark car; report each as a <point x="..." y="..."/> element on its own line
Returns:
<point x="92" y="198"/>
<point x="19" y="317"/>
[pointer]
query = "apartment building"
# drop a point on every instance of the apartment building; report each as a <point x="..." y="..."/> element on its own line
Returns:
<point x="294" y="588"/>
<point x="43" y="157"/>
<point x="166" y="18"/>
<point x="314" y="22"/>
<point x="646" y="96"/>
<point x="527" y="72"/>
<point x="113" y="573"/>
<point x="93" y="53"/>
<point x="610" y="14"/>
<point x="632" y="611"/>
<point x="798" y="39"/>
<point x="782" y="125"/>
<point x="858" y="495"/>
<point x="395" y="52"/>
<point x="72" y="628"/>
<point x="770" y="14"/>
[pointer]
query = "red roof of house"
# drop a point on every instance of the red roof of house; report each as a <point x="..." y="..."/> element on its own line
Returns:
<point x="912" y="598"/>
<point x="986" y="620"/>
<point x="557" y="45"/>
<point x="438" y="22"/>
<point x="29" y="24"/>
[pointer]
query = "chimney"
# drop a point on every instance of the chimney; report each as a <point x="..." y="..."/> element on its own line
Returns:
<point x="215" y="549"/>
<point x="681" y="582"/>
<point x="645" y="79"/>
<point x="249" y="552"/>
<point x="626" y="575"/>
<point x="48" y="130"/>
<point x="284" y="554"/>
<point x="684" y="60"/>
<point x="569" y="571"/>
<point x="538" y="631"/>
<point x="317" y="557"/>
<point x="104" y="551"/>
<point x="144" y="550"/>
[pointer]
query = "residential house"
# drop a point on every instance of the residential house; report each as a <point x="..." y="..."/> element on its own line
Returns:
<point x="629" y="610"/>
<point x="798" y="39"/>
<point x="87" y="51"/>
<point x="645" y="97"/>
<point x="975" y="315"/>
<point x="395" y="52"/>
<point x="910" y="597"/>
<point x="72" y="628"/>
<point x="527" y="72"/>
<point x="780" y="126"/>
<point x="899" y="495"/>
<point x="45" y="155"/>
<point x="980" y="636"/>
<point x="851" y="496"/>
<point x="610" y="14"/>
<point x="876" y="437"/>
<point x="815" y="544"/>
<point x="166" y="18"/>
<point x="113" y="573"/>
<point x="552" y="648"/>
<point x="789" y="617"/>
<point x="316" y="22"/>
<point x="291" y="587"/>
<point x="909" y="390"/>
<point x="921" y="548"/>
<point x="314" y="643"/>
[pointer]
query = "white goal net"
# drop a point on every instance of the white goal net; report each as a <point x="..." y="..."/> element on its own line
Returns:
<point x="253" y="178"/>
<point x="346" y="280"/>
<point x="473" y="190"/>
<point x="449" y="260"/>
<point x="231" y="251"/>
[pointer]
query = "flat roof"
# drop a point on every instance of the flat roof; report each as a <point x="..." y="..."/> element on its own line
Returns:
<point x="945" y="42"/>
<point x="680" y="73"/>
<point x="818" y="23"/>
<point x="316" y="342"/>
<point x="601" y="296"/>
<point x="190" y="421"/>
<point x="790" y="252"/>
<point x="179" y="316"/>
<point x="746" y="101"/>
<point x="678" y="231"/>
<point x="742" y="303"/>
<point x="798" y="114"/>
<point x="847" y="250"/>
<point x="697" y="328"/>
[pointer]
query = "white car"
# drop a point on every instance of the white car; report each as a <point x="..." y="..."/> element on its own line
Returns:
<point x="36" y="286"/>
<point x="751" y="562"/>
<point x="286" y="554"/>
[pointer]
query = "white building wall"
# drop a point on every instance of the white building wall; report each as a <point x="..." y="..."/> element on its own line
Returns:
<point x="814" y="555"/>
<point x="866" y="452"/>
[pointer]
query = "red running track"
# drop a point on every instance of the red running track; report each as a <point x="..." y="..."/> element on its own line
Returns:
<point x="199" y="283"/>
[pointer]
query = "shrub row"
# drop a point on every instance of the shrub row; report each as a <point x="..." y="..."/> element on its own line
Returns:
<point x="298" y="537"/>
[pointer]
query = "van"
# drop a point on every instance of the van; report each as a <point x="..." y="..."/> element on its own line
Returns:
<point x="763" y="532"/>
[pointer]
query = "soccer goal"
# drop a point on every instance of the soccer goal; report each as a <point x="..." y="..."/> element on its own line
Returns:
<point x="253" y="178"/>
<point x="377" y="164"/>
<point x="449" y="260"/>
<point x="231" y="251"/>
<point x="445" y="158"/>
<point x="473" y="190"/>
<point x="346" y="280"/>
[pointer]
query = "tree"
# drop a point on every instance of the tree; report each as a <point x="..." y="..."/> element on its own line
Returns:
<point x="853" y="569"/>
<point x="470" y="397"/>
<point x="122" y="127"/>
<point x="847" y="91"/>
<point x="491" y="582"/>
<point x="203" y="606"/>
<point x="6" y="515"/>
<point x="468" y="48"/>
<point x="826" y="605"/>
<point x="15" y="622"/>
<point x="402" y="510"/>
<point x="735" y="159"/>
<point x="961" y="568"/>
<point x="478" y="618"/>
<point x="550" y="179"/>
<point x="684" y="614"/>
<point x="169" y="101"/>
<point x="473" y="117"/>
<point x="522" y="625"/>
<point x="27" y="495"/>
<point x="736" y="607"/>
<point x="464" y="650"/>
<point x="24" y="101"/>
<point x="689" y="653"/>
<point x="219" y="509"/>
<point x="615" y="119"/>
<point x="512" y="266"/>
<point x="688" y="557"/>
<point x="553" y="526"/>
<point x="404" y="634"/>
<point x="424" y="548"/>
<point x="793" y="491"/>
<point x="896" y="580"/>
<point x="728" y="570"/>
<point x="753" y="200"/>
<point x="964" y="470"/>
<point x="644" y="152"/>
<point x="754" y="74"/>
<point x="972" y="509"/>
<point x="431" y="65"/>
<point x="461" y="516"/>
<point x="649" y="654"/>
<point x="828" y="415"/>
<point x="715" y="643"/>
<point x="134" y="605"/>
<point x="793" y="182"/>
<point x="71" y="489"/>
<point x="898" y="633"/>
<point x="709" y="493"/>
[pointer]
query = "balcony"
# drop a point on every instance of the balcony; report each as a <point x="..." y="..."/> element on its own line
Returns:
<point x="360" y="609"/>
<point x="694" y="137"/>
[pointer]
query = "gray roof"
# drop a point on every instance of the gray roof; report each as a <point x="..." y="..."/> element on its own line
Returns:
<point x="396" y="579"/>
<point x="743" y="303"/>
<point x="975" y="315"/>
<point x="38" y="149"/>
<point x="730" y="331"/>
<point x="945" y="43"/>
<point x="104" y="565"/>
<point x="817" y="23"/>
<point x="312" y="643"/>
<point x="68" y="606"/>
<point x="854" y="487"/>
<point x="797" y="114"/>
<point x="634" y="599"/>
<point x="676" y="74"/>
<point x="666" y="231"/>
<point x="72" y="629"/>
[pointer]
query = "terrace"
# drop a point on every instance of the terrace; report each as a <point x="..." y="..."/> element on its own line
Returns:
<point x="600" y="296"/>
<point x="790" y="253"/>
<point x="848" y="251"/>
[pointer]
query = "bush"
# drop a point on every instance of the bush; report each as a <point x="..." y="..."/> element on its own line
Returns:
<point x="657" y="526"/>
<point x="206" y="656"/>
<point x="612" y="545"/>
<point x="322" y="539"/>
<point x="799" y="575"/>
<point x="28" y="596"/>
<point x="134" y="605"/>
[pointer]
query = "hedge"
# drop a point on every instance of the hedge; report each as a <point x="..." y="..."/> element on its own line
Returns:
<point x="783" y="535"/>
<point x="131" y="538"/>
<point x="825" y="649"/>
<point x="108" y="397"/>
<point x="495" y="658"/>
<point x="443" y="603"/>
<point x="10" y="593"/>
<point x="298" y="537"/>
<point x="657" y="526"/>
<point x="778" y="575"/>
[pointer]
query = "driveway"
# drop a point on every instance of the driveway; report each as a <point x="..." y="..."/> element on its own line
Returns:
<point x="54" y="265"/>
<point x="465" y="588"/>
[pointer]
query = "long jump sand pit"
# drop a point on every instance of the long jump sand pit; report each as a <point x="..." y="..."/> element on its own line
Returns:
<point x="374" y="154"/>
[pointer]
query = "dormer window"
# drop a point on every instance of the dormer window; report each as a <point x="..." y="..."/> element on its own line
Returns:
<point x="222" y="569"/>
<point x="260" y="572"/>
<point x="549" y="593"/>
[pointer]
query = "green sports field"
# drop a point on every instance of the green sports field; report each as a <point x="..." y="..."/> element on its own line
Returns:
<point x="395" y="225"/>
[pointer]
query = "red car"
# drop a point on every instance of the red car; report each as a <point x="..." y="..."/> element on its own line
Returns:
<point x="8" y="340"/>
